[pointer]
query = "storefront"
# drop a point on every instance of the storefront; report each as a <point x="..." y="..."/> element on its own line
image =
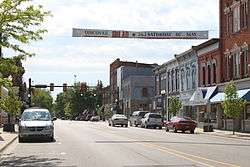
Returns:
<point x="242" y="123"/>
<point x="206" y="112"/>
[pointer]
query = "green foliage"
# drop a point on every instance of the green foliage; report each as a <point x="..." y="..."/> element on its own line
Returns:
<point x="233" y="105"/>
<point x="42" y="98"/>
<point x="68" y="111"/>
<point x="11" y="104"/>
<point x="18" y="24"/>
<point x="174" y="105"/>
<point x="75" y="102"/>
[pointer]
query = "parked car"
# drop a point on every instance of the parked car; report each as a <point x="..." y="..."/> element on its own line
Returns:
<point x="95" y="118"/>
<point x="136" y="117"/>
<point x="36" y="122"/>
<point x="151" y="120"/>
<point x="181" y="123"/>
<point x="118" y="119"/>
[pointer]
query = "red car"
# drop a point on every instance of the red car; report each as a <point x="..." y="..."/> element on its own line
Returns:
<point x="180" y="123"/>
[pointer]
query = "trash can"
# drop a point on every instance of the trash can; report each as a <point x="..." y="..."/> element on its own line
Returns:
<point x="208" y="128"/>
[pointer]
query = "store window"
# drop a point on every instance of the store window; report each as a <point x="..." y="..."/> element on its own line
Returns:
<point x="248" y="112"/>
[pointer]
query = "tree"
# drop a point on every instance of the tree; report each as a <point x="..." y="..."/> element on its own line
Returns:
<point x="12" y="105"/>
<point x="233" y="105"/>
<point x="18" y="24"/>
<point x="174" y="105"/>
<point x="42" y="98"/>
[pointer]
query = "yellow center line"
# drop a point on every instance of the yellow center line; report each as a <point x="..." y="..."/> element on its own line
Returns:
<point x="175" y="152"/>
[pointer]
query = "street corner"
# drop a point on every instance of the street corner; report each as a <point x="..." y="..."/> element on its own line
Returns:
<point x="6" y="139"/>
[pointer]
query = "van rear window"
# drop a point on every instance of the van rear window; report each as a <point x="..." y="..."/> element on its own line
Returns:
<point x="154" y="116"/>
<point x="142" y="114"/>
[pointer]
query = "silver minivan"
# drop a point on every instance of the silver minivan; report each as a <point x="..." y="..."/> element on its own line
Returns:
<point x="136" y="117"/>
<point x="152" y="120"/>
<point x="36" y="122"/>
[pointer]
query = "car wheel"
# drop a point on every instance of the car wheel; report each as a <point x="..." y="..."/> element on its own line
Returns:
<point x="51" y="139"/>
<point x="142" y="125"/>
<point x="126" y="125"/>
<point x="167" y="130"/>
<point x="175" y="130"/>
<point x="135" y="124"/>
<point x="192" y="131"/>
<point x="112" y="124"/>
<point x="109" y="124"/>
<point x="20" y="139"/>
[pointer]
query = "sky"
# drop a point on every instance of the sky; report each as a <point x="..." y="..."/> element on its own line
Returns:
<point x="60" y="58"/>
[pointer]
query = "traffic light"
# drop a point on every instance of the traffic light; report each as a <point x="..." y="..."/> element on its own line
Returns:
<point x="64" y="87"/>
<point x="51" y="87"/>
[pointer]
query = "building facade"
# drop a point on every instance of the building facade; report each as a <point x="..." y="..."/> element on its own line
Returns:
<point x="119" y="71"/>
<point x="173" y="82"/>
<point x="188" y="80"/>
<point x="159" y="100"/>
<point x="138" y="92"/>
<point x="235" y="59"/>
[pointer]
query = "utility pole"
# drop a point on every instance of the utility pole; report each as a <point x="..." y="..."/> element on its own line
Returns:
<point x="1" y="45"/>
<point x="29" y="93"/>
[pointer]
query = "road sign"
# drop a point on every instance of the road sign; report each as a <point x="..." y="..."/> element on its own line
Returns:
<point x="140" y="34"/>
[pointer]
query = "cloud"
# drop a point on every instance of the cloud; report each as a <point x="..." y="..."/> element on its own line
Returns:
<point x="59" y="53"/>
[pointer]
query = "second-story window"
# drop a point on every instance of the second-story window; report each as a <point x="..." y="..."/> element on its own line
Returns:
<point x="203" y="75"/>
<point x="244" y="13"/>
<point x="188" y="78"/>
<point x="245" y="62"/>
<point x="209" y="74"/>
<point x="144" y="92"/>
<point x="177" y="79"/>
<point x="236" y="18"/>
<point x="168" y="80"/>
<point x="214" y="73"/>
<point x="193" y="77"/>
<point x="182" y="79"/>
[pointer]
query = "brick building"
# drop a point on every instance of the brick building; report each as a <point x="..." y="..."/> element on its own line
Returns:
<point x="120" y="70"/>
<point x="235" y="39"/>
<point x="209" y="63"/>
<point x="234" y="58"/>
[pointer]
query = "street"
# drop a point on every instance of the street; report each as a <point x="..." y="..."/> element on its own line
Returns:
<point x="95" y="144"/>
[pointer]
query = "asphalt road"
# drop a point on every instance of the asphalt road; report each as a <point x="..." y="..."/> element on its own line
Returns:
<point x="95" y="144"/>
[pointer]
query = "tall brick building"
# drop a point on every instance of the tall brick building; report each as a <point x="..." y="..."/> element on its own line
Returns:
<point x="235" y="39"/>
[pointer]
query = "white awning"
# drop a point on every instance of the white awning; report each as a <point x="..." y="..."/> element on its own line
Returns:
<point x="245" y="94"/>
<point x="202" y="95"/>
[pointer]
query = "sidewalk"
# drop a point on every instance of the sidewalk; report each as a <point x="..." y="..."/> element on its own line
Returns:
<point x="6" y="139"/>
<point x="224" y="133"/>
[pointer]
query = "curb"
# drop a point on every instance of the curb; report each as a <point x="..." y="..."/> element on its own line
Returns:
<point x="11" y="141"/>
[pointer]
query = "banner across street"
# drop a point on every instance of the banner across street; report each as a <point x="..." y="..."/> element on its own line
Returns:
<point x="77" y="32"/>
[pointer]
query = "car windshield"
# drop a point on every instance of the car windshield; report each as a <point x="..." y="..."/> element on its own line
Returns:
<point x="155" y="116"/>
<point x="36" y="116"/>
<point x="141" y="114"/>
